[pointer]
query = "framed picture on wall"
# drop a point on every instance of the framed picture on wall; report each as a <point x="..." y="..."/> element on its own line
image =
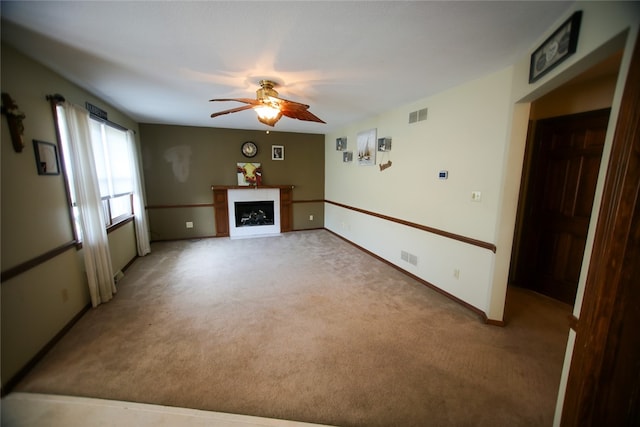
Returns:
<point x="277" y="152"/>
<point x="341" y="143"/>
<point x="562" y="44"/>
<point x="367" y="147"/>
<point x="46" y="158"/>
<point x="347" y="156"/>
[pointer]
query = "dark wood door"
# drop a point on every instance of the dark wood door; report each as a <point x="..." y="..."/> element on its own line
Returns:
<point x="563" y="177"/>
<point x="603" y="388"/>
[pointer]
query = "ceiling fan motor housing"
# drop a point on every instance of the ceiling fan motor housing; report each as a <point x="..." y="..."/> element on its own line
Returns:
<point x="266" y="90"/>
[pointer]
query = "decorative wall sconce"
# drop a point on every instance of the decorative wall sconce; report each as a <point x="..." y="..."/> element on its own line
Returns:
<point x="14" y="119"/>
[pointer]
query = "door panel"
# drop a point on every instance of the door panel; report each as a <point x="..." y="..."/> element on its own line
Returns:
<point x="564" y="173"/>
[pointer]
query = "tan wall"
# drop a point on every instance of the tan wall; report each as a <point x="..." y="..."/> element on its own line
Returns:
<point x="38" y="303"/>
<point x="122" y="245"/>
<point x="207" y="156"/>
<point x="590" y="95"/>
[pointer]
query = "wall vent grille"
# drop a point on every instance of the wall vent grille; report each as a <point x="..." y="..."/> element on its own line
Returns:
<point x="418" y="116"/>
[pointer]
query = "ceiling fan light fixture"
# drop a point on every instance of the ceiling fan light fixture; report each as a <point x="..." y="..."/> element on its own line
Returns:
<point x="268" y="115"/>
<point x="270" y="107"/>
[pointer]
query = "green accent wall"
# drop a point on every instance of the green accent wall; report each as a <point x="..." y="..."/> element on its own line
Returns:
<point x="181" y="163"/>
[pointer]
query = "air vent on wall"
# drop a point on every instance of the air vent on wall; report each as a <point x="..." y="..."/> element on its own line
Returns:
<point x="418" y="116"/>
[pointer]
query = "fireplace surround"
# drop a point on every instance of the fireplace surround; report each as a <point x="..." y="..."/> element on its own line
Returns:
<point x="225" y="198"/>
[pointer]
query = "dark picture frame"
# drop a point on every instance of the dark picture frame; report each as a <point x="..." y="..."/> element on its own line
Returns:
<point x="277" y="152"/>
<point x="46" y="154"/>
<point x="558" y="47"/>
<point x="341" y="143"/>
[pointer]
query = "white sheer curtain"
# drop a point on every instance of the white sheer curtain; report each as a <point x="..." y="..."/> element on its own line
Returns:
<point x="95" y="246"/>
<point x="142" y="231"/>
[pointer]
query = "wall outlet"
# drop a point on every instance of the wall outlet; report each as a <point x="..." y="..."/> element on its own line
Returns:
<point x="310" y="217"/>
<point x="476" y="196"/>
<point x="189" y="224"/>
<point x="456" y="273"/>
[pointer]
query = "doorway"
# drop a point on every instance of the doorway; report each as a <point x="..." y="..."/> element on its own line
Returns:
<point x="562" y="183"/>
<point x="564" y="147"/>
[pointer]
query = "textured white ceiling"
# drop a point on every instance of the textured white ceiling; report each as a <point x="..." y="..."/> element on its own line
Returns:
<point x="160" y="62"/>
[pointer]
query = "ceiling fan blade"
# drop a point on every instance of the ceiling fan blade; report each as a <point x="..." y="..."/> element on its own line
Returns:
<point x="291" y="104"/>
<point x="233" y="110"/>
<point x="251" y="101"/>
<point x="301" y="114"/>
<point x="296" y="110"/>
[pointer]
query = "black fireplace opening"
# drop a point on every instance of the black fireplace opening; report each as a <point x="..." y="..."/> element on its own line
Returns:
<point x="254" y="213"/>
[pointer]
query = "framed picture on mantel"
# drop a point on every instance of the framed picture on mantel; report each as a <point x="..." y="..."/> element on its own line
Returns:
<point x="249" y="174"/>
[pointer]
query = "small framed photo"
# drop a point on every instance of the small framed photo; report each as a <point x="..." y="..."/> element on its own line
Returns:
<point x="347" y="156"/>
<point x="277" y="152"/>
<point x="46" y="158"/>
<point x="341" y="143"/>
<point x="562" y="44"/>
<point x="384" y="144"/>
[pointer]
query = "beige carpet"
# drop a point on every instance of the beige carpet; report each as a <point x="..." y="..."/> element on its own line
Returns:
<point x="306" y="327"/>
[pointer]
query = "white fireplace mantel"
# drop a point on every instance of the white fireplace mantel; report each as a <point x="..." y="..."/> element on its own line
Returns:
<point x="254" y="195"/>
<point x="224" y="214"/>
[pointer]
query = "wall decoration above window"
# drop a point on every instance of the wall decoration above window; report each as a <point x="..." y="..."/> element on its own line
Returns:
<point x="347" y="156"/>
<point x="341" y="143"/>
<point x="562" y="43"/>
<point x="367" y="147"/>
<point x="249" y="174"/>
<point x="46" y="158"/>
<point x="277" y="152"/>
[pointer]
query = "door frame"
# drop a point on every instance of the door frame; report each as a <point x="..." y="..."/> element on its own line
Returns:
<point x="602" y="385"/>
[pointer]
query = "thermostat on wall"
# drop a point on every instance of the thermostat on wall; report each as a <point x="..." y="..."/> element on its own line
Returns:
<point x="443" y="174"/>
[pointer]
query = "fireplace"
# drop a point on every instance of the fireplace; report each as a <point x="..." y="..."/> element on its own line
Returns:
<point x="225" y="196"/>
<point x="254" y="214"/>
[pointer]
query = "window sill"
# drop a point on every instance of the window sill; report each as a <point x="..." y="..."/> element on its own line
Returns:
<point x="121" y="222"/>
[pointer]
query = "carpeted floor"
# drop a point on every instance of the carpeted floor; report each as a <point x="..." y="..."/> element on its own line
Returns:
<point x="306" y="327"/>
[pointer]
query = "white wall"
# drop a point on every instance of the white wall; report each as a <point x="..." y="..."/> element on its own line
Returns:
<point x="466" y="132"/>
<point x="476" y="131"/>
<point x="479" y="137"/>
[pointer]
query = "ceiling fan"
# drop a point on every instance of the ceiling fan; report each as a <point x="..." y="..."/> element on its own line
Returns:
<point x="269" y="107"/>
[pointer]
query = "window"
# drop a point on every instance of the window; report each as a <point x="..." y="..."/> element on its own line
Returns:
<point x="113" y="168"/>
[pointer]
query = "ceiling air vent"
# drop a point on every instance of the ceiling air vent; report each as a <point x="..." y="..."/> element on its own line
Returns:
<point x="418" y="116"/>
